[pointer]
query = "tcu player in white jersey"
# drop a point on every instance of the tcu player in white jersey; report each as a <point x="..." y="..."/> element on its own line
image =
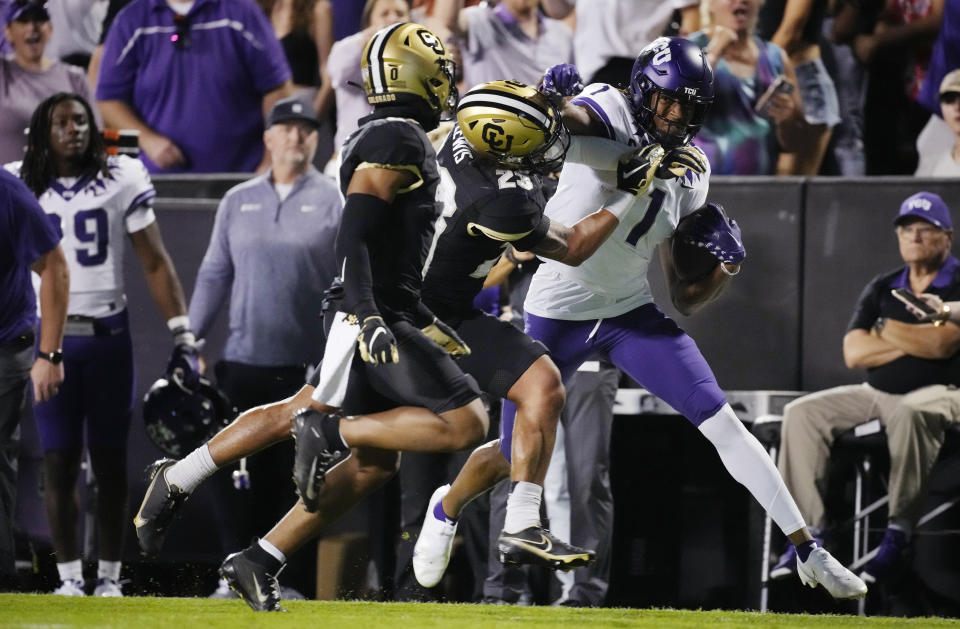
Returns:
<point x="604" y="307"/>
<point x="99" y="199"/>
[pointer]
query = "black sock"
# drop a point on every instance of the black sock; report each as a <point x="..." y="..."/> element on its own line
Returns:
<point x="259" y="556"/>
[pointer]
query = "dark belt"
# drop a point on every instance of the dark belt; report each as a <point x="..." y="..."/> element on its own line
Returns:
<point x="80" y="325"/>
<point x="20" y="342"/>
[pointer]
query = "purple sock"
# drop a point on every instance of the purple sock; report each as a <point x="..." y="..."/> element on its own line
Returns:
<point x="804" y="549"/>
<point x="441" y="515"/>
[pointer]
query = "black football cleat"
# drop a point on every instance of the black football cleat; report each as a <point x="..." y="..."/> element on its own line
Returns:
<point x="537" y="545"/>
<point x="160" y="504"/>
<point x="251" y="581"/>
<point x="315" y="454"/>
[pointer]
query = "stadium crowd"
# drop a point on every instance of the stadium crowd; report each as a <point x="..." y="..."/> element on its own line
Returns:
<point x="274" y="89"/>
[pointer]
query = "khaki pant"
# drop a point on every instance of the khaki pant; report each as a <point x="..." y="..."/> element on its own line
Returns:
<point x="915" y="425"/>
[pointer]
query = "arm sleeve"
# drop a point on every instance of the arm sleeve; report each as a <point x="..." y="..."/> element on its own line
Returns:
<point x="214" y="276"/>
<point x="868" y="307"/>
<point x="597" y="153"/>
<point x="362" y="216"/>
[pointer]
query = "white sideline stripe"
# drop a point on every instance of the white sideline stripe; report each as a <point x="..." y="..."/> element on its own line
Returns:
<point x="199" y="26"/>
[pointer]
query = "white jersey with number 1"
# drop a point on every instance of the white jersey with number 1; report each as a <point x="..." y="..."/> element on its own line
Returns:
<point x="614" y="279"/>
<point x="95" y="215"/>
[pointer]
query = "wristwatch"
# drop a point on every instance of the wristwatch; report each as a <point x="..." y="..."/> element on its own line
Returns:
<point x="878" y="325"/>
<point x="56" y="356"/>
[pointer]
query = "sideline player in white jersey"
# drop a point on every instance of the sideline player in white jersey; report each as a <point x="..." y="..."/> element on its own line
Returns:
<point x="99" y="199"/>
<point x="604" y="307"/>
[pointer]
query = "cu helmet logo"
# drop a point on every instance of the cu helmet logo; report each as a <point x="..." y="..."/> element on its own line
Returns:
<point x="495" y="137"/>
<point x="431" y="41"/>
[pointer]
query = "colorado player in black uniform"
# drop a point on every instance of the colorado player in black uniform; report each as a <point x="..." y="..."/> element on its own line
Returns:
<point x="318" y="433"/>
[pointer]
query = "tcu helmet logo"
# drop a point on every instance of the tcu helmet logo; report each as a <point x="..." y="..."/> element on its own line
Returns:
<point x="431" y="41"/>
<point x="495" y="137"/>
<point x="661" y="46"/>
<point x="920" y="204"/>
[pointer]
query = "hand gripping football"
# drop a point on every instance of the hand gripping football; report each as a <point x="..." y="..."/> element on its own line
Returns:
<point x="703" y="239"/>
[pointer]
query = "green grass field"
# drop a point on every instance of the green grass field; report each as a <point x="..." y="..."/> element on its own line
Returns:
<point x="35" y="611"/>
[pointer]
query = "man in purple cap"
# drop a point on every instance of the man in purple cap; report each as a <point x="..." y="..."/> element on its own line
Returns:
<point x="913" y="370"/>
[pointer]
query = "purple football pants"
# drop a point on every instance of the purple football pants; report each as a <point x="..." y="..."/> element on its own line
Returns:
<point x="645" y="344"/>
<point x="97" y="392"/>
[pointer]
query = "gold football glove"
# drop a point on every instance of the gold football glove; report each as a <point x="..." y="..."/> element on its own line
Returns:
<point x="444" y="336"/>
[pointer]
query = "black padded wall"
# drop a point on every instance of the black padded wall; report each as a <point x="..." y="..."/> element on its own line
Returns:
<point x="750" y="336"/>
<point x="849" y="238"/>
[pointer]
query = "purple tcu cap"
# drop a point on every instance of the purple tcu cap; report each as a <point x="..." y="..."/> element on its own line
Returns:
<point x="19" y="8"/>
<point x="928" y="206"/>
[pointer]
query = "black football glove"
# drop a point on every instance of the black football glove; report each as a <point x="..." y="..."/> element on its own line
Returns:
<point x="377" y="343"/>
<point x="183" y="369"/>
<point x="636" y="173"/>
<point x="713" y="231"/>
<point x="444" y="336"/>
<point x="681" y="161"/>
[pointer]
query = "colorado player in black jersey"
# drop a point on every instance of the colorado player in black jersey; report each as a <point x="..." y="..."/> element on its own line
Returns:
<point x="388" y="176"/>
<point x="318" y="433"/>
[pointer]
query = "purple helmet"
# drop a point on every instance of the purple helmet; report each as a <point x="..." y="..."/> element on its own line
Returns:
<point x="676" y="68"/>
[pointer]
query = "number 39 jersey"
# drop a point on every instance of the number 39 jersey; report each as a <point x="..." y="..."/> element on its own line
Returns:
<point x="483" y="208"/>
<point x="614" y="279"/>
<point x="95" y="213"/>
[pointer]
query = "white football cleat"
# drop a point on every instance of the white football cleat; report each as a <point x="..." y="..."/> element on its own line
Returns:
<point x="821" y="568"/>
<point x="432" y="551"/>
<point x="70" y="587"/>
<point x="107" y="587"/>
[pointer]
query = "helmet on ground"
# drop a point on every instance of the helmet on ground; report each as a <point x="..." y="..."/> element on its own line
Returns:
<point x="514" y="125"/>
<point x="675" y="69"/>
<point x="407" y="58"/>
<point x="179" y="421"/>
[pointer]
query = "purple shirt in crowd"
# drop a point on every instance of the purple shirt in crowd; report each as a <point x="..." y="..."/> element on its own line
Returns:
<point x="944" y="58"/>
<point x="27" y="233"/>
<point x="200" y="83"/>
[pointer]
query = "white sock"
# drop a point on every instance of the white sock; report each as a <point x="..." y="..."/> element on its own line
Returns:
<point x="71" y="570"/>
<point x="275" y="552"/>
<point x="192" y="470"/>
<point x="108" y="570"/>
<point x="523" y="507"/>
<point x="750" y="465"/>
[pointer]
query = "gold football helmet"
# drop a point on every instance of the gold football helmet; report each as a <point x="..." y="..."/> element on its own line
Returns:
<point x="407" y="58"/>
<point x="514" y="125"/>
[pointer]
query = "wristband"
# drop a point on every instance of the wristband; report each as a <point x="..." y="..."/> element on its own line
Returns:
<point x="878" y="325"/>
<point x="180" y="328"/>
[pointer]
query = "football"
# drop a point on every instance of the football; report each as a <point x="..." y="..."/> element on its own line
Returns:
<point x="691" y="261"/>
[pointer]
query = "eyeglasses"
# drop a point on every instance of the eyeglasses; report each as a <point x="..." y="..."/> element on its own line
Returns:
<point x="950" y="98"/>
<point x="181" y="37"/>
<point x="914" y="230"/>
